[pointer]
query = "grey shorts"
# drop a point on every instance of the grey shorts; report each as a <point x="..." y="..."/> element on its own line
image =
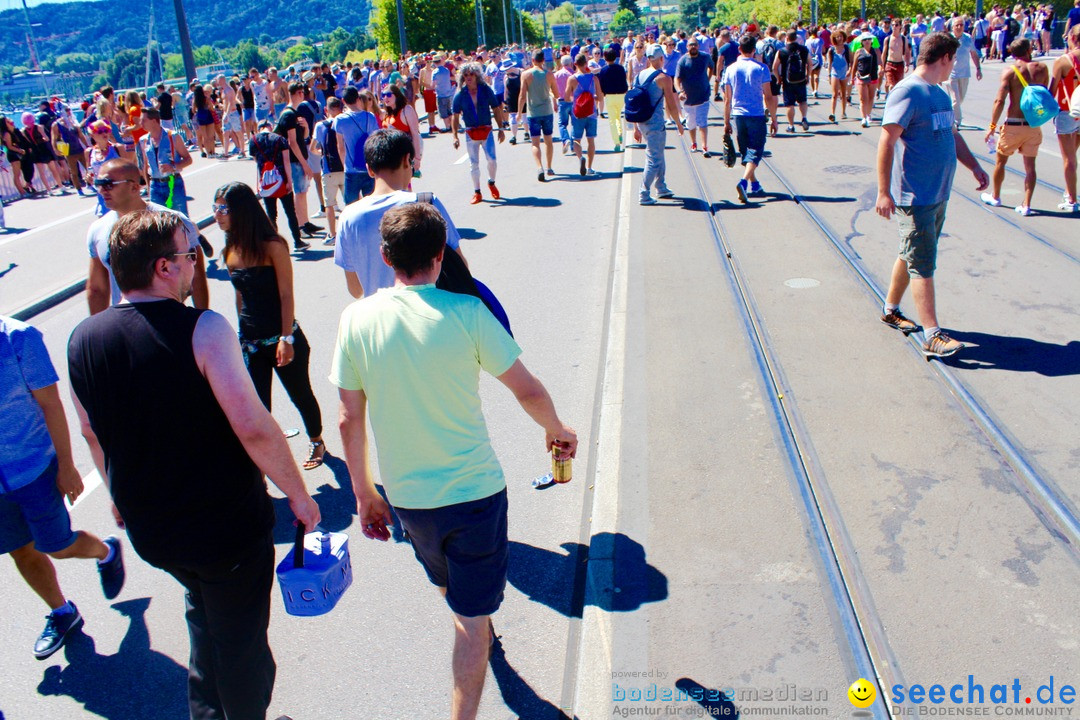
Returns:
<point x="920" y="228"/>
<point x="445" y="105"/>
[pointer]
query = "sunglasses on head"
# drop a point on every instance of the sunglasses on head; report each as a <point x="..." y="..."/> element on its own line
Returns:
<point x="109" y="183"/>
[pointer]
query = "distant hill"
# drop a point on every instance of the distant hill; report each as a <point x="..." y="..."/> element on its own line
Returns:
<point x="103" y="28"/>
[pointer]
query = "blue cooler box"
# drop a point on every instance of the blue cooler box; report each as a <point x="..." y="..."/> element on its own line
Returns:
<point x="315" y="573"/>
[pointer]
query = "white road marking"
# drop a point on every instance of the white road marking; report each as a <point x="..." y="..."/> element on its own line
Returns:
<point x="88" y="211"/>
<point x="462" y="159"/>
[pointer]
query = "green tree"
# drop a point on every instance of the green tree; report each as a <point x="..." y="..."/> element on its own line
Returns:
<point x="695" y="13"/>
<point x="337" y="44"/>
<point x="174" y="65"/>
<point x="73" y="62"/>
<point x="429" y="25"/>
<point x="565" y="14"/>
<point x="205" y="55"/>
<point x="630" y="5"/>
<point x="624" y="20"/>
<point x="778" y="12"/>
<point x="298" y="52"/>
<point x="246" y="55"/>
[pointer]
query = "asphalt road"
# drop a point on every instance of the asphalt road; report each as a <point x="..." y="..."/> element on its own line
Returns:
<point x="750" y="433"/>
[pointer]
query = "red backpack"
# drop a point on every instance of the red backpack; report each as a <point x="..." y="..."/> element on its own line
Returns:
<point x="585" y="102"/>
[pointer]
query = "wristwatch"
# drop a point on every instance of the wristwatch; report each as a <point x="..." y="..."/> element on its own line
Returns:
<point x="288" y="339"/>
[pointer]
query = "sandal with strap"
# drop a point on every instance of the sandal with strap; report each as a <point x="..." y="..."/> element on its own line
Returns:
<point x="316" y="452"/>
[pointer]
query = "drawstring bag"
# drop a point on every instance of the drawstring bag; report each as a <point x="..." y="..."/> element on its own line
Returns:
<point x="315" y="573"/>
<point x="1036" y="102"/>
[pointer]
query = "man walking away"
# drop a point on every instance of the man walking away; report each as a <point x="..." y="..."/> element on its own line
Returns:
<point x="917" y="157"/>
<point x="144" y="374"/>
<point x="411" y="355"/>
<point x="748" y="92"/>
<point x="37" y="473"/>
<point x="792" y="67"/>
<point x="613" y="84"/>
<point x="537" y="98"/>
<point x="1016" y="134"/>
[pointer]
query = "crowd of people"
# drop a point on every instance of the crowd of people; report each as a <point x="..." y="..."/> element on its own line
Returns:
<point x="409" y="353"/>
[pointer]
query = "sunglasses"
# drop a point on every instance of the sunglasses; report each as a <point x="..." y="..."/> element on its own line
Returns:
<point x="220" y="209"/>
<point x="109" y="183"/>
<point x="192" y="255"/>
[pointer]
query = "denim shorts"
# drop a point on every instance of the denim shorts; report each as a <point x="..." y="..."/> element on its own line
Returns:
<point x="583" y="126"/>
<point x="357" y="185"/>
<point x="36" y="512"/>
<point x="920" y="228"/>
<point x="300" y="181"/>
<point x="542" y="125"/>
<point x="249" y="114"/>
<point x="750" y="131"/>
<point x="463" y="548"/>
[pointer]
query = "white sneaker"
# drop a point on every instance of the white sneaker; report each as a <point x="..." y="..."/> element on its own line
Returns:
<point x="319" y="214"/>
<point x="1023" y="210"/>
<point x="1069" y="206"/>
<point x="990" y="200"/>
<point x="866" y="122"/>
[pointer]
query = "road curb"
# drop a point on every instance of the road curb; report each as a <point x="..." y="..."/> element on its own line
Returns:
<point x="69" y="291"/>
<point x="50" y="301"/>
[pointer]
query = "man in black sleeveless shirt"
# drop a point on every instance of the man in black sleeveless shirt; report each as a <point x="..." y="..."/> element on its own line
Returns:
<point x="151" y="376"/>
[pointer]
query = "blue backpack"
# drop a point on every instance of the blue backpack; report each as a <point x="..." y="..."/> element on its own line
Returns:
<point x="1036" y="102"/>
<point x="637" y="106"/>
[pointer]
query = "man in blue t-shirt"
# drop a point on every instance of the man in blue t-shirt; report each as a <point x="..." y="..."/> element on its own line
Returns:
<point x="747" y="92"/>
<point x="917" y="157"/>
<point x="726" y="54"/>
<point x="37" y="473"/>
<point x="353" y="128"/>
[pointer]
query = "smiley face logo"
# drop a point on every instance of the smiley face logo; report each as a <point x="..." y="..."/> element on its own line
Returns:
<point x="861" y="693"/>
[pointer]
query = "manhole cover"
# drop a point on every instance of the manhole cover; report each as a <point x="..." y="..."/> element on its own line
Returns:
<point x="801" y="283"/>
<point x="848" y="169"/>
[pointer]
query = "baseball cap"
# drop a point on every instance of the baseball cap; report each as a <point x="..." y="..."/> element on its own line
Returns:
<point x="654" y="50"/>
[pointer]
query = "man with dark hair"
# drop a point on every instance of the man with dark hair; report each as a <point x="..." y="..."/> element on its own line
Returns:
<point x="389" y="155"/>
<point x="143" y="374"/>
<point x="748" y="93"/>
<point x="269" y="147"/>
<point x="792" y="67"/>
<point x="353" y="127"/>
<point x="324" y="145"/>
<point x="1016" y="134"/>
<point x="537" y="99"/>
<point x="692" y="83"/>
<point x="164" y="103"/>
<point x="295" y="134"/>
<point x="118" y="183"/>
<point x="917" y="156"/>
<point x="411" y="355"/>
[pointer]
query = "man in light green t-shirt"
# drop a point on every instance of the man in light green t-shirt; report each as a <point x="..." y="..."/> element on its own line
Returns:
<point x="414" y="354"/>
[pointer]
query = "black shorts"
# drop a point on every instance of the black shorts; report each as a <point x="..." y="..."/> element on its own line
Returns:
<point x="463" y="548"/>
<point x="774" y="84"/>
<point x="794" y="94"/>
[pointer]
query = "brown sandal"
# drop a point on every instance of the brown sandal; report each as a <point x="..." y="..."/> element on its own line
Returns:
<point x="316" y="452"/>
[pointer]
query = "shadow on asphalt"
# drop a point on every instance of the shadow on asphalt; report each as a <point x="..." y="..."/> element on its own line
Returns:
<point x="314" y="255"/>
<point x="136" y="682"/>
<point x="516" y="693"/>
<point x="5" y="271"/>
<point x="712" y="700"/>
<point x="1018" y="354"/>
<point x="550" y="578"/>
<point x="526" y="202"/>
<point x="471" y="234"/>
<point x="214" y="271"/>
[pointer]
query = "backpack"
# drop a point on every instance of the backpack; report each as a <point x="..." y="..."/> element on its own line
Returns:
<point x="795" y="72"/>
<point x="1013" y="27"/>
<point x="1036" y="102"/>
<point x="271" y="184"/>
<point x="768" y="54"/>
<point x="585" y="102"/>
<point x="636" y="105"/>
<point x="455" y="277"/>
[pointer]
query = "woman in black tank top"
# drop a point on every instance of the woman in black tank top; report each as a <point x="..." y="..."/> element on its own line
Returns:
<point x="261" y="272"/>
